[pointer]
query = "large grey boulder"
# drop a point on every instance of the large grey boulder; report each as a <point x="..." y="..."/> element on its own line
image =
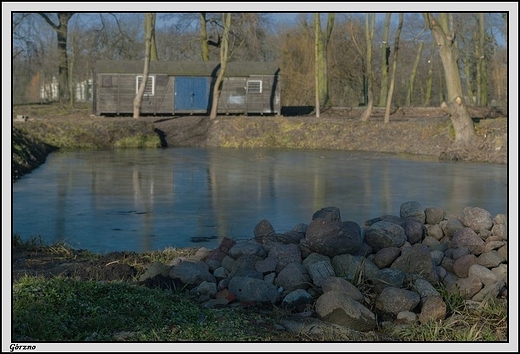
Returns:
<point x="293" y="276"/>
<point x="283" y="254"/>
<point x="247" y="248"/>
<point x="466" y="237"/>
<point x="354" y="268"/>
<point x="412" y="209"/>
<point x="344" y="286"/>
<point x="320" y="271"/>
<point x="192" y="273"/>
<point x="383" y="234"/>
<point x="328" y="213"/>
<point x="332" y="238"/>
<point x="252" y="289"/>
<point x="393" y="300"/>
<point x="297" y="300"/>
<point x="417" y="260"/>
<point x="434" y="215"/>
<point x="477" y="219"/>
<point x="333" y="306"/>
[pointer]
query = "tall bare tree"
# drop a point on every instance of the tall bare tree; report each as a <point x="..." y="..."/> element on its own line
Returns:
<point x="481" y="63"/>
<point x="61" y="29"/>
<point x="322" y="44"/>
<point x="206" y="39"/>
<point x="385" y="56"/>
<point x="444" y="35"/>
<point x="429" y="77"/>
<point x="394" y="68"/>
<point x="153" y="45"/>
<point x="370" y="23"/>
<point x="147" y="49"/>
<point x="413" y="73"/>
<point x="317" y="36"/>
<point x="224" y="58"/>
<point x="203" y="37"/>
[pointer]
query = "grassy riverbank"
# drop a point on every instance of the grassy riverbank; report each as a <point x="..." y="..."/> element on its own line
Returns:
<point x="413" y="131"/>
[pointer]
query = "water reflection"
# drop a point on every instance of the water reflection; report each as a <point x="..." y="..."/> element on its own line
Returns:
<point x="151" y="199"/>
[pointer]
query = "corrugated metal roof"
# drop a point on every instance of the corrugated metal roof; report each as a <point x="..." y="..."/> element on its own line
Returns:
<point x="187" y="68"/>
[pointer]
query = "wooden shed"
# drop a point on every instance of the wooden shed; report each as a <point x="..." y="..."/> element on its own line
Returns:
<point x="186" y="87"/>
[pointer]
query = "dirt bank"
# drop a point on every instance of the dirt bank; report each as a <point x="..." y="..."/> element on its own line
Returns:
<point x="414" y="131"/>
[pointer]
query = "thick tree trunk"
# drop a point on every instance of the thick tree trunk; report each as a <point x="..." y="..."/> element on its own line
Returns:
<point x="369" y="32"/>
<point x="394" y="68"/>
<point x="467" y="74"/>
<point x="385" y="65"/>
<point x="317" y="52"/>
<point x="481" y="60"/>
<point x="63" y="62"/>
<point x="322" y="43"/>
<point x="411" y="82"/>
<point x="429" y="78"/>
<point x="455" y="107"/>
<point x="224" y="58"/>
<point x="147" y="45"/>
<point x="153" y="44"/>
<point x="204" y="46"/>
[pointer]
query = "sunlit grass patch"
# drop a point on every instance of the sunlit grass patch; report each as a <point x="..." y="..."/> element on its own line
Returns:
<point x="138" y="141"/>
<point x="62" y="309"/>
<point x="465" y="322"/>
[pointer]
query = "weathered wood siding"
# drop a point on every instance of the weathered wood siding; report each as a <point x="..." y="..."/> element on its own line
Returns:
<point x="116" y="93"/>
<point x="250" y="88"/>
<point x="233" y="95"/>
<point x="254" y="94"/>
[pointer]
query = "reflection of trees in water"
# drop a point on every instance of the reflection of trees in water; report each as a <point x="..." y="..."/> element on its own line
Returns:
<point x="133" y="176"/>
<point x="284" y="187"/>
<point x="144" y="203"/>
<point x="221" y="192"/>
<point x="61" y="205"/>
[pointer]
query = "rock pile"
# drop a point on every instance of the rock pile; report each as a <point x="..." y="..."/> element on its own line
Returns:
<point x="390" y="269"/>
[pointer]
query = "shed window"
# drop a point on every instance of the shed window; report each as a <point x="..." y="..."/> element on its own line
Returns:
<point x="150" y="85"/>
<point x="254" y="86"/>
<point x="106" y="80"/>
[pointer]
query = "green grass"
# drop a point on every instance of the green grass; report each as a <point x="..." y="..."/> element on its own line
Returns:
<point x="60" y="309"/>
<point x="138" y="141"/>
<point x="65" y="309"/>
<point x="486" y="323"/>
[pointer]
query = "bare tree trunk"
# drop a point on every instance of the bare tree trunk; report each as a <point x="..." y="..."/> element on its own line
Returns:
<point x="224" y="58"/>
<point x="322" y="43"/>
<point x="63" y="62"/>
<point x="455" y="107"/>
<point x="413" y="73"/>
<point x="385" y="66"/>
<point x="442" y="82"/>
<point x="71" y="79"/>
<point x="481" y="67"/>
<point x="153" y="45"/>
<point x="429" y="78"/>
<point x="204" y="37"/>
<point x="147" y="45"/>
<point x="394" y="68"/>
<point x="467" y="73"/>
<point x="370" y="23"/>
<point x="317" y="36"/>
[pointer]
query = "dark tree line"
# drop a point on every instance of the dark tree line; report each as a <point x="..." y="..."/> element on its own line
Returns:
<point x="64" y="47"/>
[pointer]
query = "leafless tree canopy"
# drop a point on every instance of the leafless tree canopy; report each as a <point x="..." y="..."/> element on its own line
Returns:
<point x="481" y="40"/>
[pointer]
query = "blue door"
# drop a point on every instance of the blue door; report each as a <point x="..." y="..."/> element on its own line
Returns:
<point x="191" y="94"/>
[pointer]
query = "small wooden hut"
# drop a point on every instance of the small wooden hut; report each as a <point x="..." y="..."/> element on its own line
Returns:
<point x="186" y="87"/>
